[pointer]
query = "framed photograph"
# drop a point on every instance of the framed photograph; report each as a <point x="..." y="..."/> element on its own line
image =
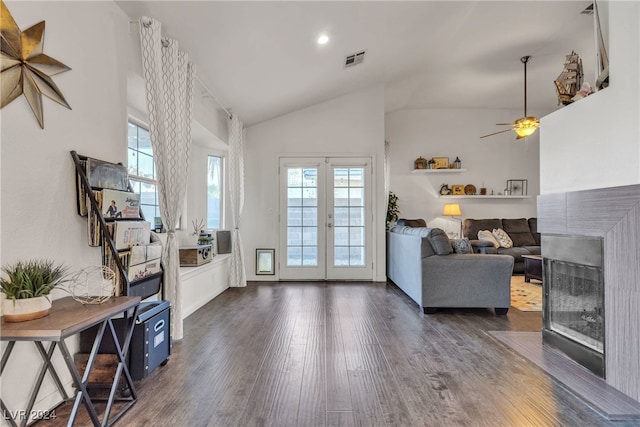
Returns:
<point x="101" y="174"/>
<point x="457" y="190"/>
<point x="441" y="162"/>
<point x="120" y="204"/>
<point x="265" y="261"/>
<point x="517" y="187"/>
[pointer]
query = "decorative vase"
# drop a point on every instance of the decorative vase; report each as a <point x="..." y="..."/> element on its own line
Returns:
<point x="21" y="310"/>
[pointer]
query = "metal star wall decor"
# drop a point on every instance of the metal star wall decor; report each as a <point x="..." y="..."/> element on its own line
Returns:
<point x="25" y="68"/>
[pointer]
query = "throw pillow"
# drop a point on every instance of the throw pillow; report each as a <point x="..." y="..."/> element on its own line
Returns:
<point x="488" y="236"/>
<point x="439" y="241"/>
<point x="461" y="246"/>
<point x="502" y="237"/>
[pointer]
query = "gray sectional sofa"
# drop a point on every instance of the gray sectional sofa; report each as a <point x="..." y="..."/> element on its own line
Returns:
<point x="421" y="262"/>
<point x="522" y="231"/>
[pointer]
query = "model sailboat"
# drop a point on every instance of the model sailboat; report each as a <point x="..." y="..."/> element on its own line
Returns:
<point x="569" y="81"/>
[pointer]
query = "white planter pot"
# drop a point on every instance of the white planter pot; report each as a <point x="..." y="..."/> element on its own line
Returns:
<point x="22" y="310"/>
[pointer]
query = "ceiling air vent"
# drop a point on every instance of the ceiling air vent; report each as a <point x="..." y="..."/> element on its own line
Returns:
<point x="588" y="10"/>
<point x="354" y="59"/>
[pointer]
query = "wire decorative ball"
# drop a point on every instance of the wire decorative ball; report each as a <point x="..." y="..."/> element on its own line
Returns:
<point x="93" y="285"/>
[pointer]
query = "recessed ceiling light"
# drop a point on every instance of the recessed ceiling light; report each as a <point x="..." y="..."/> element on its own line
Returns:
<point x="323" y="39"/>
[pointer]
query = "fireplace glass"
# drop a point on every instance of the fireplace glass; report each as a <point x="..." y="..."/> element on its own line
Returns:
<point x="576" y="303"/>
<point x="573" y="306"/>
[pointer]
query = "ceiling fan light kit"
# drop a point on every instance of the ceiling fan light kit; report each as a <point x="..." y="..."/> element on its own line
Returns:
<point x="526" y="125"/>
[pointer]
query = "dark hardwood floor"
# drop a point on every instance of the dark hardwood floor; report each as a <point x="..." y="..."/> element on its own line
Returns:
<point x="328" y="354"/>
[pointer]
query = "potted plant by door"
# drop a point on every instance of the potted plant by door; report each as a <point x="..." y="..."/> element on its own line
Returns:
<point x="26" y="286"/>
<point x="392" y="209"/>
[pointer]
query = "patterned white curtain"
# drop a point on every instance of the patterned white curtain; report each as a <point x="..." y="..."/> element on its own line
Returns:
<point x="169" y="76"/>
<point x="237" y="275"/>
<point x="387" y="172"/>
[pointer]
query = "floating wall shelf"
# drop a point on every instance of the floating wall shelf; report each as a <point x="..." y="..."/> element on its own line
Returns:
<point x="477" y="196"/>
<point x="436" y="171"/>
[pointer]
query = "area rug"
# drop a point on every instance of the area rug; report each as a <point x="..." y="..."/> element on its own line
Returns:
<point x="526" y="296"/>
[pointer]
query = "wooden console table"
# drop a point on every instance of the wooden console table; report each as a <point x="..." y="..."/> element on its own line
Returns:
<point x="69" y="317"/>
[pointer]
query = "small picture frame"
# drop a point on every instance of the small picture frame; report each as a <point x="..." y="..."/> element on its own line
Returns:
<point x="457" y="190"/>
<point x="157" y="224"/>
<point x="440" y="162"/>
<point x="265" y="261"/>
<point x="517" y="187"/>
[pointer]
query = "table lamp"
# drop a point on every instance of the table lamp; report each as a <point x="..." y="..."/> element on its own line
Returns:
<point x="453" y="210"/>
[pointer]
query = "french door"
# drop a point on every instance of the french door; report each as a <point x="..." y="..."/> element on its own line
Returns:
<point x="325" y="218"/>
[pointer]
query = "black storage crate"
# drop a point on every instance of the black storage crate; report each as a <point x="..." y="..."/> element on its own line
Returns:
<point x="151" y="341"/>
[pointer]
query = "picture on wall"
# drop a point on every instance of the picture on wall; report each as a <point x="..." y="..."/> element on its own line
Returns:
<point x="517" y="187"/>
<point x="440" y="162"/>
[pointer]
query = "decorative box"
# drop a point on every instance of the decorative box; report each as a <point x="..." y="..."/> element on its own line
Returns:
<point x="193" y="256"/>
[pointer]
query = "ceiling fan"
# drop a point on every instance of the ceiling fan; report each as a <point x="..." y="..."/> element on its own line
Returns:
<point x="526" y="125"/>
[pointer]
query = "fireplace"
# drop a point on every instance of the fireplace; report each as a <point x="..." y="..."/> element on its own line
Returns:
<point x="609" y="220"/>
<point x="573" y="309"/>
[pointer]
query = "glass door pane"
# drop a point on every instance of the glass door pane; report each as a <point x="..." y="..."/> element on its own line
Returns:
<point x="302" y="217"/>
<point x="348" y="212"/>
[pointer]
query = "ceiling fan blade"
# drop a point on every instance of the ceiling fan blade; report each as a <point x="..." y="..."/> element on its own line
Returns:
<point x="495" y="133"/>
<point x="505" y="124"/>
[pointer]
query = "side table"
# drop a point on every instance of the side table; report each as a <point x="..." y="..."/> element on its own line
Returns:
<point x="66" y="318"/>
<point x="532" y="267"/>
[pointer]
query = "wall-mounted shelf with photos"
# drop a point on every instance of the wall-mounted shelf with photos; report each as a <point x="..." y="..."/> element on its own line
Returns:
<point x="116" y="224"/>
<point x="436" y="171"/>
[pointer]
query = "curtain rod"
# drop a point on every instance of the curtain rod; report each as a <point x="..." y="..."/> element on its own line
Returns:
<point x="213" y="96"/>
<point x="204" y="86"/>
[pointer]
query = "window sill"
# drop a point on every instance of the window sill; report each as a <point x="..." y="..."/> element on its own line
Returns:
<point x="189" y="272"/>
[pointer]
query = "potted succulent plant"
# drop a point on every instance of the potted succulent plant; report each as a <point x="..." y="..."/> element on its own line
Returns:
<point x="26" y="286"/>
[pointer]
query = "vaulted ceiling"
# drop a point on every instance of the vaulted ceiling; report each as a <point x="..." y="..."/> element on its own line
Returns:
<point x="261" y="58"/>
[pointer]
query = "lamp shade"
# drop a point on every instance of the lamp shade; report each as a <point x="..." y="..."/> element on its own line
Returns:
<point x="451" y="209"/>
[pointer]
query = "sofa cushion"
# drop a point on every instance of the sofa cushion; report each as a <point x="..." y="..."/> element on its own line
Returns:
<point x="519" y="225"/>
<point x="533" y="226"/>
<point x="519" y="231"/>
<point x="533" y="250"/>
<point x="413" y="231"/>
<point x="461" y="246"/>
<point x="502" y="237"/>
<point x="515" y="252"/>
<point x="522" y="239"/>
<point x="412" y="222"/>
<point x="422" y="232"/>
<point x="397" y="229"/>
<point x="470" y="226"/>
<point x="439" y="241"/>
<point x="487" y="235"/>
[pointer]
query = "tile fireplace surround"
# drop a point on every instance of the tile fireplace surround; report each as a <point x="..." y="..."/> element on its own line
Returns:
<point x="614" y="215"/>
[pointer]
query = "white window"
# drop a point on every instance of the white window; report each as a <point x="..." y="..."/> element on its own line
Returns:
<point x="215" y="192"/>
<point x="142" y="174"/>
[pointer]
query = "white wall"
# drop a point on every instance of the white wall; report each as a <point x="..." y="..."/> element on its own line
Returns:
<point x="595" y="142"/>
<point x="490" y="162"/>
<point x="38" y="215"/>
<point x="349" y="125"/>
